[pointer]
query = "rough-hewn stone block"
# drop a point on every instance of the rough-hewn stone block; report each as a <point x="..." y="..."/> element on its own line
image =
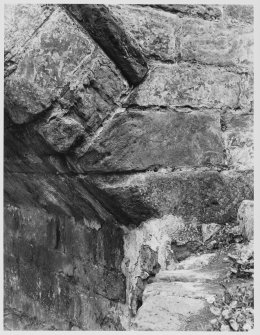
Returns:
<point x="193" y="85"/>
<point x="137" y="140"/>
<point x="68" y="62"/>
<point x="49" y="59"/>
<point x="155" y="32"/>
<point x="167" y="37"/>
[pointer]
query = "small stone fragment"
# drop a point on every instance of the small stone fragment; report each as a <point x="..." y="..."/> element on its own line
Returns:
<point x="208" y="230"/>
<point x="234" y="325"/>
<point x="225" y="328"/>
<point x="215" y="310"/>
<point x="61" y="132"/>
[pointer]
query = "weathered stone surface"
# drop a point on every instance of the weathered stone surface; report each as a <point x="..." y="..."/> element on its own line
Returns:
<point x="107" y="32"/>
<point x="89" y="82"/>
<point x="166" y="37"/>
<point x="239" y="13"/>
<point x="159" y="313"/>
<point x="61" y="131"/>
<point x="41" y="76"/>
<point x="208" y="230"/>
<point x="239" y="139"/>
<point x="207" y="196"/>
<point x="217" y="44"/>
<point x="21" y="22"/>
<point x="193" y="85"/>
<point x="137" y="140"/>
<point x="245" y="218"/>
<point x="155" y="32"/>
<point x="155" y="236"/>
<point x="95" y="84"/>
<point x="193" y="262"/>
<point x="85" y="234"/>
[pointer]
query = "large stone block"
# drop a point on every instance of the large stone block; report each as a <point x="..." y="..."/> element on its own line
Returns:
<point x="61" y="59"/>
<point x="165" y="36"/>
<point x="155" y="31"/>
<point x="49" y="59"/>
<point x="205" y="196"/>
<point x="137" y="140"/>
<point x="193" y="85"/>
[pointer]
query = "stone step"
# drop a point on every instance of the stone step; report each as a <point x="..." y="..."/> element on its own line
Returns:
<point x="186" y="276"/>
<point x="172" y="313"/>
<point x="177" y="300"/>
<point x="194" y="290"/>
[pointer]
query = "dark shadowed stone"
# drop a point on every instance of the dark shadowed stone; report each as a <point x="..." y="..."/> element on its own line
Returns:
<point x="194" y="85"/>
<point x="206" y="196"/>
<point x="65" y="266"/>
<point x="137" y="140"/>
<point x="202" y="11"/>
<point x="107" y="32"/>
<point x="61" y="195"/>
<point x="27" y="151"/>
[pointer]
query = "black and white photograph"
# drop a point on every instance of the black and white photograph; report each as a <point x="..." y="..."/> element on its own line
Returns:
<point x="128" y="166"/>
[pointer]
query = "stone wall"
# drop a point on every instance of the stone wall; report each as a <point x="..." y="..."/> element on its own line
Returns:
<point x="127" y="127"/>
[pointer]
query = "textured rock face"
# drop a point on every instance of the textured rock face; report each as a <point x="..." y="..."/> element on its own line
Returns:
<point x="245" y="217"/>
<point x="128" y="142"/>
<point x="107" y="32"/>
<point x="207" y="196"/>
<point x="168" y="37"/>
